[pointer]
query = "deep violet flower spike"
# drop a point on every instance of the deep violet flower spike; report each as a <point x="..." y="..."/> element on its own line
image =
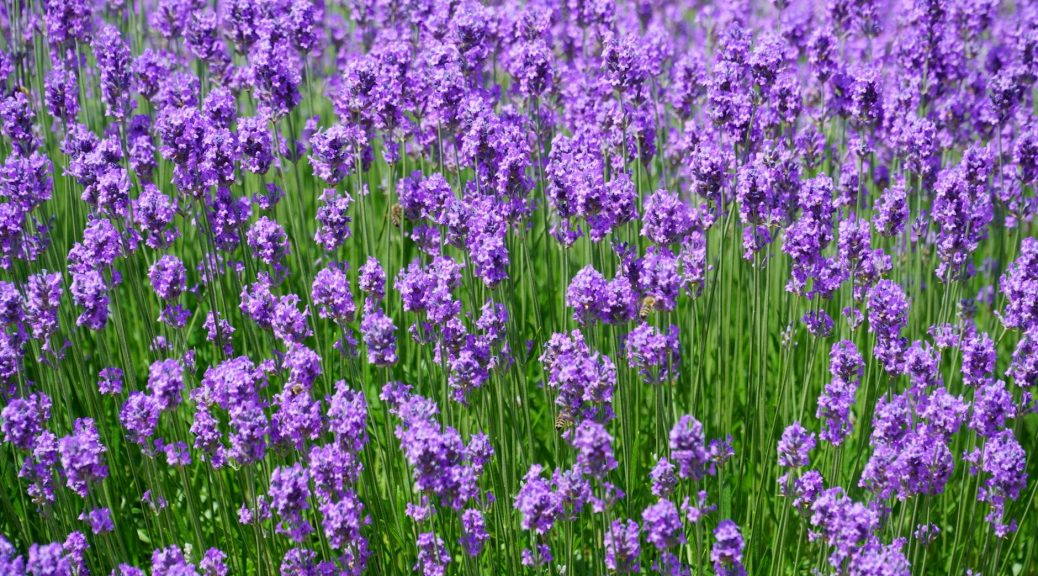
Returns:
<point x="114" y="64"/>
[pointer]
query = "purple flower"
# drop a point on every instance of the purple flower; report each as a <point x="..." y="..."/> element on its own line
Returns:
<point x="372" y="279"/>
<point x="140" y="417"/>
<point x="488" y="252"/>
<point x="433" y="556"/>
<point x="90" y="293"/>
<point x="333" y="219"/>
<point x="100" y="520"/>
<point x="842" y="523"/>
<point x="594" y="448"/>
<point x="539" y="506"/>
<point x="268" y="241"/>
<point x="289" y="492"/>
<point x="922" y="364"/>
<point x="837" y="397"/>
<point x="275" y="76"/>
<point x="166" y="383"/>
<point x="888" y="314"/>
<point x="336" y="151"/>
<point x="257" y="302"/>
<point x="379" y="335"/>
<point x="795" y="445"/>
<point x="342" y="523"/>
<point x="877" y="560"/>
<point x="82" y="456"/>
<point x="1003" y="460"/>
<point x="978" y="359"/>
<point x="25" y="180"/>
<point x="1018" y="284"/>
<point x="663" y="479"/>
<point x="22" y="419"/>
<point x="667" y="219"/>
<point x="154" y="213"/>
<point x="213" y="563"/>
<point x="655" y="354"/>
<point x="300" y="562"/>
<point x="622" y="547"/>
<point x="818" y="323"/>
<point x="113" y="62"/>
<point x="168" y="277"/>
<point x="219" y="331"/>
<point x="892" y="210"/>
<point x="993" y="407"/>
<point x="726" y="553"/>
<point x="61" y="93"/>
<point x="943" y="412"/>
<point x="583" y="380"/>
<point x="962" y="210"/>
<point x="585" y="293"/>
<point x="1024" y="367"/>
<point x="68" y="21"/>
<point x="254" y="140"/>
<point x="688" y="449"/>
<point x="804" y="490"/>
<point x="658" y="277"/>
<point x="473" y="532"/>
<point x="888" y="308"/>
<point x="16" y="122"/>
<point x="331" y="295"/>
<point x="530" y="64"/>
<point x="110" y="380"/>
<point x="662" y="525"/>
<point x="290" y="324"/>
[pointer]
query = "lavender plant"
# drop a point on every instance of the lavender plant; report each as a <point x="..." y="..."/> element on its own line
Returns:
<point x="311" y="287"/>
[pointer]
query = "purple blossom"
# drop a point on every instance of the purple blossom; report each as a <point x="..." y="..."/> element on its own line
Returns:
<point x="372" y="279"/>
<point x="433" y="556"/>
<point x="335" y="152"/>
<point x="667" y="219"/>
<point x="662" y="525"/>
<point x="331" y="295"/>
<point x="379" y="335"/>
<point x="268" y="241"/>
<point x="795" y="445"/>
<point x="655" y="354"/>
<point x="594" y="448"/>
<point x="473" y="532"/>
<point x="333" y="219"/>
<point x="139" y="416"/>
<point x="99" y="519"/>
<point x="993" y="407"/>
<point x="1018" y="285"/>
<point x="1003" y="461"/>
<point x="539" y="506"/>
<point x="978" y="359"/>
<point x="585" y="293"/>
<point x="663" y="478"/>
<point x="113" y="62"/>
<point x="22" y="419"/>
<point x="622" y="547"/>
<point x="289" y="491"/>
<point x="82" y="456"/>
<point x="726" y="553"/>
<point x="168" y="277"/>
<point x="842" y="523"/>
<point x="688" y="449"/>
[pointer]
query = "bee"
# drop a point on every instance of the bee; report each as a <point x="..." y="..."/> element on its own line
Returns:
<point x="648" y="305"/>
<point x="396" y="215"/>
<point x="562" y="422"/>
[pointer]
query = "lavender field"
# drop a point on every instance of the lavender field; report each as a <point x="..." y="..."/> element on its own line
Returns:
<point x="560" y="287"/>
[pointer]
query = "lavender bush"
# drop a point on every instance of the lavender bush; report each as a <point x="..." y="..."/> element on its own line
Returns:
<point x="313" y="287"/>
